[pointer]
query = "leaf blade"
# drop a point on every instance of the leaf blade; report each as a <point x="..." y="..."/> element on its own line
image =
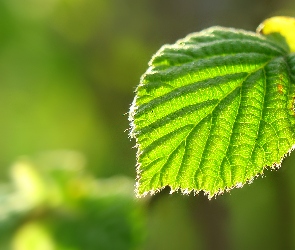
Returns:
<point x="209" y="110"/>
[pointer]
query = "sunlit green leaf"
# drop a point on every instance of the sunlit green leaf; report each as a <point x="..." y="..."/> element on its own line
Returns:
<point x="212" y="111"/>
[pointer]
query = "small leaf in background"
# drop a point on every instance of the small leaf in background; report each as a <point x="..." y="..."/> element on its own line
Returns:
<point x="54" y="203"/>
<point x="212" y="111"/>
<point x="285" y="26"/>
<point x="33" y="236"/>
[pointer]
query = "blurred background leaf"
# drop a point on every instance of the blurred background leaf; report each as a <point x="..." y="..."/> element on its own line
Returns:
<point x="68" y="69"/>
<point x="54" y="203"/>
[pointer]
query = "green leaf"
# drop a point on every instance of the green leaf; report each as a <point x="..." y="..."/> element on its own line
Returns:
<point x="212" y="111"/>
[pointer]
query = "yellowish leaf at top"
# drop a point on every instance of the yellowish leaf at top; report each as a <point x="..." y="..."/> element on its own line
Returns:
<point x="280" y="24"/>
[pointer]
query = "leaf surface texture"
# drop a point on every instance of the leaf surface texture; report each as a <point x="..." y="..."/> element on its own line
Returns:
<point x="212" y="111"/>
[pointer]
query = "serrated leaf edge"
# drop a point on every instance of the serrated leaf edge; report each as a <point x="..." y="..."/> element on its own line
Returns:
<point x="132" y="129"/>
<point x="274" y="166"/>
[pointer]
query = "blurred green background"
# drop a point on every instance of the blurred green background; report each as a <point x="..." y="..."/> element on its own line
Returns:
<point x="68" y="69"/>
